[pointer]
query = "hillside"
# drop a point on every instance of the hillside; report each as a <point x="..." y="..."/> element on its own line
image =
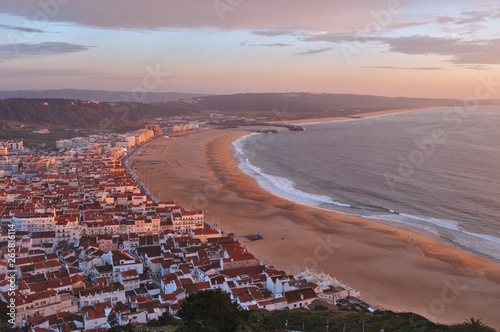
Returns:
<point x="81" y="114"/>
<point x="306" y="103"/>
<point x="77" y="113"/>
<point x="97" y="95"/>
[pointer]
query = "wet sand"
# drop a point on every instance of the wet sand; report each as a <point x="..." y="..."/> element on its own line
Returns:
<point x="394" y="268"/>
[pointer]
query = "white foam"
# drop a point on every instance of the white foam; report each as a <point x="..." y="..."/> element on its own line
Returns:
<point x="447" y="229"/>
<point x="280" y="186"/>
<point x="483" y="236"/>
<point x="443" y="223"/>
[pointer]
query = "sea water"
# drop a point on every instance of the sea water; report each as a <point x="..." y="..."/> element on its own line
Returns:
<point x="436" y="170"/>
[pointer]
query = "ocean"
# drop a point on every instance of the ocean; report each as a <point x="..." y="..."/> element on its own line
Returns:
<point x="434" y="170"/>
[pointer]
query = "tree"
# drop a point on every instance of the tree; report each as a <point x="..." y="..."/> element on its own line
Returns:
<point x="4" y="318"/>
<point x="164" y="320"/>
<point x="210" y="311"/>
<point x="126" y="328"/>
<point x="475" y="325"/>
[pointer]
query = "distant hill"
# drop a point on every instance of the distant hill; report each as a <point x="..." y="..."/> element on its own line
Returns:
<point x="312" y="103"/>
<point x="97" y="95"/>
<point x="78" y="113"/>
<point x="83" y="114"/>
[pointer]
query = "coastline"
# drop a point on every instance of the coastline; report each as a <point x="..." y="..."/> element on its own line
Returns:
<point x="393" y="267"/>
<point x="358" y="116"/>
<point x="445" y="228"/>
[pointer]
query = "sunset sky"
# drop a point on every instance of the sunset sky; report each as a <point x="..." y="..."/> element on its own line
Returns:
<point x="418" y="48"/>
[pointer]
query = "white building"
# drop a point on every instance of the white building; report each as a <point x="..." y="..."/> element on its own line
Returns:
<point x="44" y="303"/>
<point x="184" y="220"/>
<point x="33" y="222"/>
<point x="114" y="293"/>
<point x="13" y="145"/>
<point x="129" y="279"/>
<point x="68" y="231"/>
<point x="329" y="288"/>
<point x="8" y="163"/>
<point x="121" y="262"/>
<point x="63" y="144"/>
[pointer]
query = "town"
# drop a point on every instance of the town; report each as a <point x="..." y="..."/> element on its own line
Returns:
<point x="88" y="247"/>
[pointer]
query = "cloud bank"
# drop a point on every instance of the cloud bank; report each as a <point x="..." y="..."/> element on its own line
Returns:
<point x="223" y="14"/>
<point x="47" y="48"/>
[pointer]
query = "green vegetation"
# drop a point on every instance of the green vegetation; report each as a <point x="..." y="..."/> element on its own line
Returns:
<point x="210" y="311"/>
<point x="126" y="328"/>
<point x="352" y="320"/>
<point x="213" y="311"/>
<point x="165" y="320"/>
<point x="15" y="132"/>
<point x="65" y="118"/>
<point x="310" y="104"/>
<point x="4" y="318"/>
<point x="474" y="325"/>
<point x="78" y="114"/>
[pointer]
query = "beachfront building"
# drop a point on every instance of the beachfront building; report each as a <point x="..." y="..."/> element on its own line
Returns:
<point x="300" y="298"/>
<point x="328" y="288"/>
<point x="203" y="234"/>
<point x="184" y="220"/>
<point x="237" y="259"/>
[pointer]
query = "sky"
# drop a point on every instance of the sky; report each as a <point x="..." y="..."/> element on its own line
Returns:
<point x="410" y="48"/>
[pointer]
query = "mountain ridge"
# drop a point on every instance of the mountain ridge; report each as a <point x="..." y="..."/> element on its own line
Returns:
<point x="80" y="113"/>
<point x="312" y="102"/>
<point x="97" y="95"/>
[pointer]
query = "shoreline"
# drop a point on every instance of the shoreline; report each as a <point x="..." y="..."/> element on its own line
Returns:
<point x="357" y="116"/>
<point x="393" y="267"/>
<point x="275" y="189"/>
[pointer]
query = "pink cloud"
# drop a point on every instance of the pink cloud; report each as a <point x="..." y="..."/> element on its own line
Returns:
<point x="225" y="14"/>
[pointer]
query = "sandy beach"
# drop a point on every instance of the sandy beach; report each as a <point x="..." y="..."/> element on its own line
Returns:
<point x="283" y="116"/>
<point x="394" y="268"/>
